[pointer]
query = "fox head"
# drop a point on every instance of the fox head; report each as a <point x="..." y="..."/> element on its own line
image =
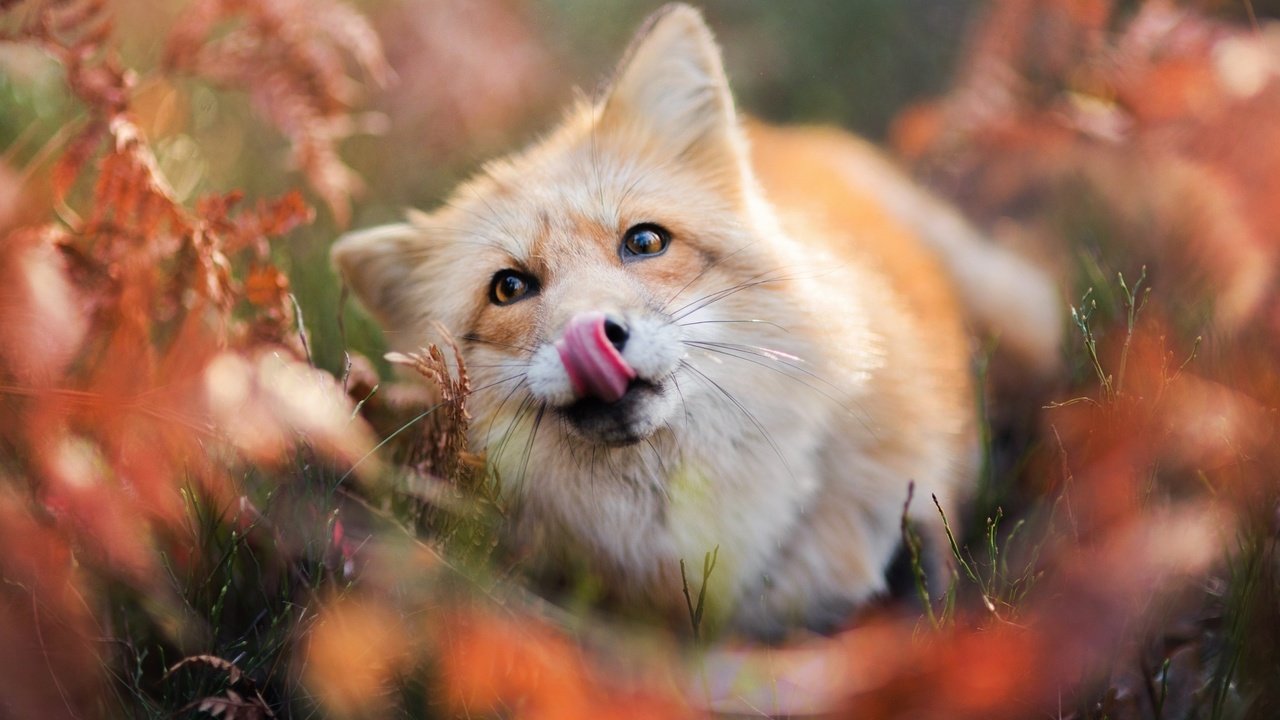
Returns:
<point x="594" y="276"/>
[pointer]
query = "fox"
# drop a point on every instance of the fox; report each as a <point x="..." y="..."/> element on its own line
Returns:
<point x="692" y="335"/>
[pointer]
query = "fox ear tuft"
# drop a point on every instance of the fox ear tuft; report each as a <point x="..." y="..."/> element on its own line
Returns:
<point x="377" y="264"/>
<point x="671" y="81"/>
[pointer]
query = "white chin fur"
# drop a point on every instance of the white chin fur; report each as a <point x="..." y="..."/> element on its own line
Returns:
<point x="548" y="380"/>
<point x="653" y="351"/>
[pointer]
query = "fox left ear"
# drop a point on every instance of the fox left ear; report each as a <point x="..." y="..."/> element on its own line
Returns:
<point x="379" y="264"/>
<point x="671" y="84"/>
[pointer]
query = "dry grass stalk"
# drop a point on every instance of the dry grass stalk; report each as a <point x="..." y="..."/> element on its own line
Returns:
<point x="441" y="450"/>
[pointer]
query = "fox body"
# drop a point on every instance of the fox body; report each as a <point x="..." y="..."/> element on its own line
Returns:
<point x="686" y="332"/>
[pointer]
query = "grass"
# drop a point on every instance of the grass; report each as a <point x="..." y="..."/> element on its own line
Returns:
<point x="696" y="609"/>
<point x="245" y="599"/>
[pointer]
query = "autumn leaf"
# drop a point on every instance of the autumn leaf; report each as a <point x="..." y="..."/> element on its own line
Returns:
<point x="351" y="655"/>
<point x="266" y="404"/>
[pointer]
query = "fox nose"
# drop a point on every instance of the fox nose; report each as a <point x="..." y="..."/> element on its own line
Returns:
<point x="615" y="330"/>
<point x="591" y="351"/>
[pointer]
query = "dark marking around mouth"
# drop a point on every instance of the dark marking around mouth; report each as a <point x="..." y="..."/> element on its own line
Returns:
<point x="616" y="423"/>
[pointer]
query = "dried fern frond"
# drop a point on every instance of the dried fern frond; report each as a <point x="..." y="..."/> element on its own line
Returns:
<point x="442" y="449"/>
<point x="138" y="376"/>
<point x="291" y="57"/>
<point x="234" y="674"/>
<point x="232" y="706"/>
<point x="112" y="316"/>
<point x="136" y="236"/>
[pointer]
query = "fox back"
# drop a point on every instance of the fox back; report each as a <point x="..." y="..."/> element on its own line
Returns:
<point x="688" y="334"/>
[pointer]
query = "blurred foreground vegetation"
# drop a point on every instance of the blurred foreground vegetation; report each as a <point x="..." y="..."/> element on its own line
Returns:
<point x="205" y="522"/>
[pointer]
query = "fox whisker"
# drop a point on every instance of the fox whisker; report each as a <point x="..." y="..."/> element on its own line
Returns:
<point x="486" y="220"/>
<point x="630" y="188"/>
<point x="498" y="222"/>
<point x="525" y="403"/>
<point x="711" y="298"/>
<point x="495" y="383"/>
<point x="750" y="321"/>
<point x="749" y="282"/>
<point x="472" y="337"/>
<point x="684" y="406"/>
<point x="498" y="412"/>
<point x="533" y="435"/>
<point x="484" y="240"/>
<point x="698" y="277"/>
<point x="500" y="366"/>
<point x="739" y="351"/>
<point x="756" y="350"/>
<point x="743" y="408"/>
<point x="595" y="160"/>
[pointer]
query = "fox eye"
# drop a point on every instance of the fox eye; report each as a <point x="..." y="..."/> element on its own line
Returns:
<point x="508" y="286"/>
<point x="645" y="240"/>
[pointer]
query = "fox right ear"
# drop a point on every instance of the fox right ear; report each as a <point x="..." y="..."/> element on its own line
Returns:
<point x="377" y="264"/>
<point x="671" y="81"/>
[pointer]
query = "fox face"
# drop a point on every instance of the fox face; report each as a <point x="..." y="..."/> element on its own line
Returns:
<point x="588" y="263"/>
<point x="665" y="366"/>
<point x="575" y="273"/>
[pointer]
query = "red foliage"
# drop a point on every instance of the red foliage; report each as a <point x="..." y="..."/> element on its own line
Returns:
<point x="1168" y="120"/>
<point x="352" y="655"/>
<point x="135" y="364"/>
<point x="493" y="664"/>
<point x="127" y="375"/>
<point x="47" y="632"/>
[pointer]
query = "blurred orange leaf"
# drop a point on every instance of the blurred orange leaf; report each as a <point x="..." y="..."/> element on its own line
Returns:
<point x="352" y="653"/>
<point x="266" y="286"/>
<point x="493" y="664"/>
<point x="265" y="404"/>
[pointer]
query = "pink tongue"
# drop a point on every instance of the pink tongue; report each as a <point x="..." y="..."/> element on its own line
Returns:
<point x="595" y="366"/>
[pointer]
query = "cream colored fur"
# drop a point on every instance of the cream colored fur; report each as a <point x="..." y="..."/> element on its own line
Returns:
<point x="786" y="435"/>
